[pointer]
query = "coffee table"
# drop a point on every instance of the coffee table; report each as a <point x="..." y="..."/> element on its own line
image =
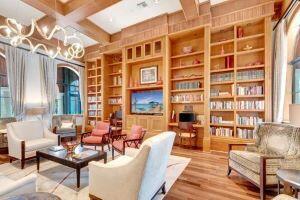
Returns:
<point x="35" y="196"/>
<point x="62" y="157"/>
<point x="290" y="177"/>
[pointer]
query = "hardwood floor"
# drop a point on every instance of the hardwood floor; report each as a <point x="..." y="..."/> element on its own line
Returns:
<point x="205" y="178"/>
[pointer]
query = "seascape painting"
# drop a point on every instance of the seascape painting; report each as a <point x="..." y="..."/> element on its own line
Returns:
<point x="147" y="102"/>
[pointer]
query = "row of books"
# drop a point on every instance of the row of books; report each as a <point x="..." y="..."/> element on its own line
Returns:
<point x="93" y="99"/>
<point x="115" y="100"/>
<point x="187" y="98"/>
<point x="188" y="85"/>
<point x="219" y="120"/>
<point x="229" y="76"/>
<point x="221" y="131"/>
<point x="249" y="90"/>
<point x="222" y="105"/>
<point x="94" y="113"/>
<point x="250" y="74"/>
<point x="248" y="120"/>
<point x="245" y="133"/>
<point x="255" y="105"/>
<point x="117" y="80"/>
<point x="216" y="93"/>
<point x="94" y="106"/>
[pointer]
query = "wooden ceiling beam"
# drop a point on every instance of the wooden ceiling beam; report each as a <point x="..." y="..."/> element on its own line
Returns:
<point x="190" y="8"/>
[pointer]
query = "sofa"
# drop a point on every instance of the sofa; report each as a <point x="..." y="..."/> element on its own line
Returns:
<point x="3" y="136"/>
<point x="139" y="174"/>
<point x="26" y="137"/>
<point x="11" y="188"/>
<point x="276" y="146"/>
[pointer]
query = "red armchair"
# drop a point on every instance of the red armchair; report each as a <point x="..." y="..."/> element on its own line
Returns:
<point x="133" y="140"/>
<point x="99" y="136"/>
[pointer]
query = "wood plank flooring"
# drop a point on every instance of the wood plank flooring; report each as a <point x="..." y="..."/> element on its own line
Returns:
<point x="205" y="178"/>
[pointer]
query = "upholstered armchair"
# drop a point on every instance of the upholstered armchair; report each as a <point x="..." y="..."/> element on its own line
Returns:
<point x="140" y="174"/>
<point x="124" y="140"/>
<point x="64" y="125"/>
<point x="11" y="188"/>
<point x="277" y="146"/>
<point x="99" y="136"/>
<point x="26" y="137"/>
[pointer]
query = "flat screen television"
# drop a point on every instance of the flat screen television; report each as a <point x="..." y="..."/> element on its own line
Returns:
<point x="148" y="102"/>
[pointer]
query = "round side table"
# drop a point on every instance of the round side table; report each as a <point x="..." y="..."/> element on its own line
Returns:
<point x="290" y="177"/>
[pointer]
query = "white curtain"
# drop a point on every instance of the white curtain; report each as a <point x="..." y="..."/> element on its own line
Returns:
<point x="49" y="82"/>
<point x="16" y="61"/>
<point x="280" y="71"/>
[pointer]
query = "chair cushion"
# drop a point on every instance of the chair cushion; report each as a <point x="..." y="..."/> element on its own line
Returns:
<point x="120" y="161"/>
<point x="283" y="197"/>
<point x="28" y="130"/>
<point x="37" y="144"/>
<point x="99" y="133"/>
<point x="119" y="145"/>
<point x="251" y="161"/>
<point x="66" y="125"/>
<point x="270" y="179"/>
<point x="102" y="126"/>
<point x="65" y="130"/>
<point x="115" y="128"/>
<point x="4" y="181"/>
<point x="187" y="135"/>
<point x="92" y="140"/>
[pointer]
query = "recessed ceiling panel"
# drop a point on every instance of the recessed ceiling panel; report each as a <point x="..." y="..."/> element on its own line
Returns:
<point x="129" y="12"/>
<point x="20" y="11"/>
<point x="213" y="2"/>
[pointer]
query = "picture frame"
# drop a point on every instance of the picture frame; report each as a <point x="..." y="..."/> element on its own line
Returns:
<point x="148" y="75"/>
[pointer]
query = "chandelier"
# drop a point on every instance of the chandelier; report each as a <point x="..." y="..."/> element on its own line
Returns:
<point x="15" y="32"/>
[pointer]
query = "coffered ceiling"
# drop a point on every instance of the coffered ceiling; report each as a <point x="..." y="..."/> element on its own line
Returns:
<point x="93" y="20"/>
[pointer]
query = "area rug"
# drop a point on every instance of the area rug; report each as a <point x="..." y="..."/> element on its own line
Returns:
<point x="61" y="180"/>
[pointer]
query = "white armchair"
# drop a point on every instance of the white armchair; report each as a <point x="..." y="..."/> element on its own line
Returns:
<point x="11" y="188"/>
<point x="25" y="138"/>
<point x="138" y="175"/>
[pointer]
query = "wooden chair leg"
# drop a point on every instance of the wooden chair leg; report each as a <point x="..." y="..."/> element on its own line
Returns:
<point x="108" y="146"/>
<point x="228" y="171"/>
<point x="10" y="159"/>
<point x="113" y="153"/>
<point x="262" y="178"/>
<point x="163" y="189"/>
<point x="22" y="163"/>
<point x="102" y="147"/>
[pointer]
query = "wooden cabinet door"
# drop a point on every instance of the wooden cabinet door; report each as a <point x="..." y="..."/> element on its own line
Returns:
<point x="130" y="120"/>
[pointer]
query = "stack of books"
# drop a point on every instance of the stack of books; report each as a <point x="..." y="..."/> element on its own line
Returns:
<point x="248" y="120"/>
<point x="92" y="99"/>
<point x="251" y="105"/>
<point x="115" y="100"/>
<point x="250" y="74"/>
<point x="117" y="80"/>
<point x="249" y="90"/>
<point x="215" y="78"/>
<point x="245" y="133"/>
<point x="188" y="85"/>
<point x="221" y="131"/>
<point x="187" y="98"/>
<point x="219" y="105"/>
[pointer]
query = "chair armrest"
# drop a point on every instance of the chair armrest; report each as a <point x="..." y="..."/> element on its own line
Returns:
<point x="266" y="157"/>
<point x="14" y="144"/>
<point x="237" y="144"/>
<point x="131" y="152"/>
<point x="48" y="134"/>
<point x="84" y="134"/>
<point x="118" y="137"/>
<point x="24" y="185"/>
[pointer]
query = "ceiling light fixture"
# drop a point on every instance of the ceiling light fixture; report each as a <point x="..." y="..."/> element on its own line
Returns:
<point x="14" y="31"/>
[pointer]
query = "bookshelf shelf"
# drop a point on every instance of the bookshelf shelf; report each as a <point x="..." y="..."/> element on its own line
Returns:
<point x="249" y="110"/>
<point x="113" y="64"/>
<point x="250" y="96"/>
<point x="114" y="86"/>
<point x="146" y="87"/>
<point x="250" y="51"/>
<point x="245" y="126"/>
<point x="221" y="70"/>
<point x="188" y="66"/>
<point x="250" y="37"/>
<point x="221" y="110"/>
<point x="188" y="90"/>
<point x="187" y="78"/>
<point x="222" y="124"/>
<point x="187" y="54"/>
<point x="222" y="83"/>
<point x="188" y="102"/>
<point x="250" y="81"/>
<point x="222" y="97"/>
<point x="250" y="67"/>
<point x="115" y="74"/>
<point x="222" y="56"/>
<point x="147" y="59"/>
<point x="222" y="42"/>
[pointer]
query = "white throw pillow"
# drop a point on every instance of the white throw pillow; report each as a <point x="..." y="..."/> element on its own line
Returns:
<point x="66" y="125"/>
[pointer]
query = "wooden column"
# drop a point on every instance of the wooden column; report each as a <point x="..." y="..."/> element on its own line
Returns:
<point x="206" y="138"/>
<point x="167" y="81"/>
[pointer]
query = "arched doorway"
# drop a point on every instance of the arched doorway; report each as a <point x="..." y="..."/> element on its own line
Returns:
<point x="68" y="97"/>
<point x="5" y="99"/>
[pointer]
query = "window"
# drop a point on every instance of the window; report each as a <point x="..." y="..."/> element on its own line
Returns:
<point x="5" y="99"/>
<point x="68" y="98"/>
<point x="296" y="84"/>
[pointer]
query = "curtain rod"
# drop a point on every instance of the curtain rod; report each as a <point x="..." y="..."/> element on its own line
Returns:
<point x="286" y="13"/>
<point x="69" y="62"/>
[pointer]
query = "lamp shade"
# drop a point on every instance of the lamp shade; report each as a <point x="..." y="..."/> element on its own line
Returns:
<point x="294" y="114"/>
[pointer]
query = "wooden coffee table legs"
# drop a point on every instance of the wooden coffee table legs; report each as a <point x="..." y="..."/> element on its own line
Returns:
<point x="78" y="177"/>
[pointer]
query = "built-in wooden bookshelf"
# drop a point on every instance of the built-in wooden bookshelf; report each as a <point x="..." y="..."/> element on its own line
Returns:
<point x="113" y="79"/>
<point x="238" y="76"/>
<point x="94" y="90"/>
<point x="220" y="62"/>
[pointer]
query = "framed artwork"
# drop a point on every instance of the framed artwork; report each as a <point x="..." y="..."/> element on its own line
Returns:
<point x="148" y="75"/>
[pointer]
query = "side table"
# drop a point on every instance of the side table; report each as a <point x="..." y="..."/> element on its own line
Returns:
<point x="3" y="141"/>
<point x="290" y="177"/>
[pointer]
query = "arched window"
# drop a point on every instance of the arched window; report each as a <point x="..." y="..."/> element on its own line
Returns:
<point x="5" y="99"/>
<point x="68" y="98"/>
